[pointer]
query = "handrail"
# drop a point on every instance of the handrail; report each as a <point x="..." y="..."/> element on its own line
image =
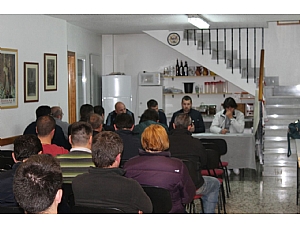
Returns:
<point x="8" y="141"/>
<point x="261" y="75"/>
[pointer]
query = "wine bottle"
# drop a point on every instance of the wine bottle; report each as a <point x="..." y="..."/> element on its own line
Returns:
<point x="181" y="72"/>
<point x="177" y="68"/>
<point x="186" y="69"/>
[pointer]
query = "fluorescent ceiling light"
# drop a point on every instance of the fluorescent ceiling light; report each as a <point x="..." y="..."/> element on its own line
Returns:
<point x="198" y="22"/>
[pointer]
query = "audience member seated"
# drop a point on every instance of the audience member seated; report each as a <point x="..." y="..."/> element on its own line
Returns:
<point x="153" y="104"/>
<point x="123" y="127"/>
<point x="85" y="111"/>
<point x="37" y="185"/>
<point x="58" y="138"/>
<point x="155" y="167"/>
<point x="45" y="127"/>
<point x="229" y="120"/>
<point x="100" y="110"/>
<point x="184" y="146"/>
<point x="197" y="120"/>
<point x="24" y="147"/>
<point x="105" y="185"/>
<point x="150" y="116"/>
<point x="57" y="114"/>
<point x="79" y="159"/>
<point x="96" y="121"/>
<point x="119" y="108"/>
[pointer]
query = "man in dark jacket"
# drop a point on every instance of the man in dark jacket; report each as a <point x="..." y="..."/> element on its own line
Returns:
<point x="119" y="108"/>
<point x="186" y="147"/>
<point x="197" y="120"/>
<point x="153" y="104"/>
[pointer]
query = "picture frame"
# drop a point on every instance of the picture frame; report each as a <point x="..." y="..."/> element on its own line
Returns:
<point x="8" y="78"/>
<point x="31" y="82"/>
<point x="50" y="72"/>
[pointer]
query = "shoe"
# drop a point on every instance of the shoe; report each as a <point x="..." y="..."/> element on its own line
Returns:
<point x="228" y="171"/>
<point x="236" y="171"/>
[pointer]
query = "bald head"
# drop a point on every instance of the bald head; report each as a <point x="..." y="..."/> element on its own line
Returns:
<point x="120" y="108"/>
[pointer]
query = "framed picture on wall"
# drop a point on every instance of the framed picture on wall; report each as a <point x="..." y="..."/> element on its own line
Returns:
<point x="8" y="78"/>
<point x="50" y="74"/>
<point x="31" y="82"/>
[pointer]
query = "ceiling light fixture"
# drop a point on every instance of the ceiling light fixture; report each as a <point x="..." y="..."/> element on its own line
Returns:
<point x="198" y="22"/>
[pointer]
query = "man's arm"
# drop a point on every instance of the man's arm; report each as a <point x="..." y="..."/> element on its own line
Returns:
<point x="239" y="123"/>
<point x="215" y="127"/>
<point x="199" y="124"/>
<point x="171" y="122"/>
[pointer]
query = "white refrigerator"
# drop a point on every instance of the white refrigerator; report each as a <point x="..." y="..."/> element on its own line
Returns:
<point x="116" y="88"/>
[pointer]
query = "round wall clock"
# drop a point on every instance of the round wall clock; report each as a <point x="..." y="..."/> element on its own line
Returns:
<point x="173" y="39"/>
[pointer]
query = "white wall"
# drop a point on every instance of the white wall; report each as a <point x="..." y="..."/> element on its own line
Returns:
<point x="32" y="36"/>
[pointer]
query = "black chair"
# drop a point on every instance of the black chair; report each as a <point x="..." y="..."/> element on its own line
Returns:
<point x="123" y="161"/>
<point x="79" y="209"/>
<point x="6" y="160"/>
<point x="160" y="198"/>
<point x="11" y="210"/>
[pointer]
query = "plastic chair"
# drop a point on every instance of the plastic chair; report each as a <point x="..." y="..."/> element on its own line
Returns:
<point x="80" y="209"/>
<point x="160" y="198"/>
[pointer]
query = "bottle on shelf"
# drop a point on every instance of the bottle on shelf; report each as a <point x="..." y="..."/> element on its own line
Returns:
<point x="177" y="68"/>
<point x="186" y="69"/>
<point x="181" y="72"/>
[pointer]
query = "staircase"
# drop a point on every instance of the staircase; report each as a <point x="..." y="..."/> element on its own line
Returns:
<point x="282" y="107"/>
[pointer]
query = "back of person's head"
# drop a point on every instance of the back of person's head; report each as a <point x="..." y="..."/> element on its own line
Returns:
<point x="42" y="110"/>
<point x="36" y="183"/>
<point x="80" y="133"/>
<point x="95" y="120"/>
<point x="186" y="98"/>
<point x="85" y="110"/>
<point x="149" y="114"/>
<point x="155" y="138"/>
<point x="152" y="103"/>
<point x="99" y="110"/>
<point x="124" y="121"/>
<point x="182" y="121"/>
<point x="44" y="125"/>
<point x="56" y="111"/>
<point x="26" y="146"/>
<point x="229" y="103"/>
<point x="105" y="148"/>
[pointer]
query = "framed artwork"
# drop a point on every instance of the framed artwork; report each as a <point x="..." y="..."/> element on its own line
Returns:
<point x="8" y="78"/>
<point x="50" y="74"/>
<point x="31" y="82"/>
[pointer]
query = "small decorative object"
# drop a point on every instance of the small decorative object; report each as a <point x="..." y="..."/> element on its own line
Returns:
<point x="8" y="78"/>
<point x="197" y="88"/>
<point x="205" y="71"/>
<point x="198" y="71"/>
<point x="212" y="73"/>
<point x="173" y="39"/>
<point x="50" y="74"/>
<point x="31" y="82"/>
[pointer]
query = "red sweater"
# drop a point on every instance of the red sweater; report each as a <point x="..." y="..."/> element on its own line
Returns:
<point x="54" y="149"/>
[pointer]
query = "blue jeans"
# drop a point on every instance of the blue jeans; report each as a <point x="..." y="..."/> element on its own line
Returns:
<point x="210" y="193"/>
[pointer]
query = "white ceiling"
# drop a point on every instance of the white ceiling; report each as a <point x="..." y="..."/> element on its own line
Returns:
<point x="137" y="23"/>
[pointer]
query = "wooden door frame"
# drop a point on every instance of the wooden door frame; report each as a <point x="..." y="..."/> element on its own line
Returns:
<point x="72" y="87"/>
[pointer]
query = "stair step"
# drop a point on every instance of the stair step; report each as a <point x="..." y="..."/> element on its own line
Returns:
<point x="276" y="127"/>
<point x="283" y="100"/>
<point x="274" y="170"/>
<point x="284" y="110"/>
<point x="221" y="54"/>
<point x="282" y="150"/>
<point x="236" y="63"/>
<point x="286" y="91"/>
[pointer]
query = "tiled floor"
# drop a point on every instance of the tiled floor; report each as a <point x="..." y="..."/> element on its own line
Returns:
<point x="252" y="193"/>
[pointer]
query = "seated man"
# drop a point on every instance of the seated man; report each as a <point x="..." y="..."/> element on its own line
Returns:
<point x="119" y="108"/>
<point x="24" y="147"/>
<point x="229" y="120"/>
<point x="58" y="138"/>
<point x="100" y="110"/>
<point x="105" y="185"/>
<point x="184" y="146"/>
<point x="150" y="116"/>
<point x="197" y="120"/>
<point x="45" y="128"/>
<point x="123" y="127"/>
<point x="85" y="111"/>
<point x="57" y="114"/>
<point x="37" y="185"/>
<point x="96" y="121"/>
<point x="155" y="167"/>
<point x="161" y="115"/>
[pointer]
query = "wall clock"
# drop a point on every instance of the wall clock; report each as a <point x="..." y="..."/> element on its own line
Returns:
<point x="173" y="39"/>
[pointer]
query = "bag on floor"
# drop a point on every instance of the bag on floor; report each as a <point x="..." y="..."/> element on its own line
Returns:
<point x="294" y="133"/>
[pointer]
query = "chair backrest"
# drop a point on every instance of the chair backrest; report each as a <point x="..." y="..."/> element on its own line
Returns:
<point x="160" y="198"/>
<point x="220" y="143"/>
<point x="79" y="209"/>
<point x="11" y="210"/>
<point x="213" y="159"/>
<point x="6" y="161"/>
<point x="193" y="168"/>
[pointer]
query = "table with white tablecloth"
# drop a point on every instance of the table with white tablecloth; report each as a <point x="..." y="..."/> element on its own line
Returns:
<point x="240" y="149"/>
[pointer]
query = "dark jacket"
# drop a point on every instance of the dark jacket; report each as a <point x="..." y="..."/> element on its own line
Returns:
<point x="159" y="169"/>
<point x="131" y="143"/>
<point x="139" y="128"/>
<point x="162" y="117"/>
<point x="110" y="120"/>
<point x="107" y="187"/>
<point x="7" y="198"/>
<point x="58" y="138"/>
<point x="184" y="146"/>
<point x="196" y="117"/>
